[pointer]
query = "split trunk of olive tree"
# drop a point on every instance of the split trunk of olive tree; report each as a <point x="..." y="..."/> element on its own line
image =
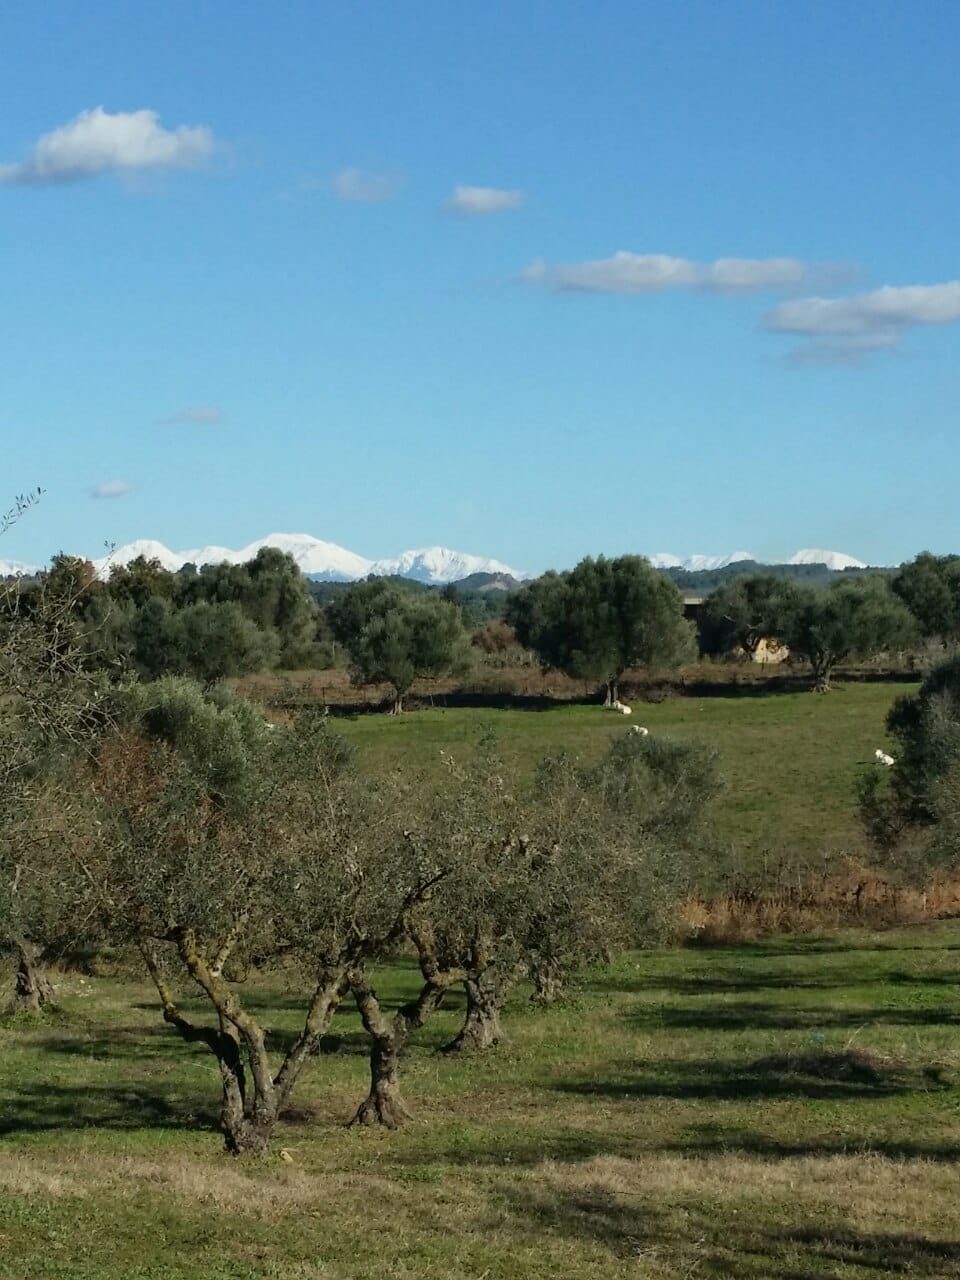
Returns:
<point x="33" y="990"/>
<point x="252" y="1096"/>
<point x="384" y="1103"/>
<point x="486" y="993"/>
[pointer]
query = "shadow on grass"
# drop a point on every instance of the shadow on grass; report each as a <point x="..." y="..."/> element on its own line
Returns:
<point x="819" y="1075"/>
<point x="44" y="1107"/>
<point x="495" y="1149"/>
<point x="691" y="1241"/>
<point x="757" y="1016"/>
<point x="717" y="1139"/>
<point x="706" y="985"/>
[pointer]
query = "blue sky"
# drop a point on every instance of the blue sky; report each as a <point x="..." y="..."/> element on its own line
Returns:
<point x="357" y="275"/>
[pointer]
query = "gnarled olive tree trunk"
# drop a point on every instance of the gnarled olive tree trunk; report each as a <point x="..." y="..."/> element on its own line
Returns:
<point x="384" y="1103"/>
<point x="487" y="993"/>
<point x="548" y="980"/>
<point x="253" y="1097"/>
<point x="823" y="664"/>
<point x="33" y="990"/>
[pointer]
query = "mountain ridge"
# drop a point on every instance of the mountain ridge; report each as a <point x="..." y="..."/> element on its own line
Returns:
<point x="434" y="565"/>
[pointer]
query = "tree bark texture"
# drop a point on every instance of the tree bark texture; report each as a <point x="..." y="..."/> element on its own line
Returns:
<point x="548" y="977"/>
<point x="384" y="1103"/>
<point x="486" y="996"/>
<point x="33" y="990"/>
<point x="252" y="1097"/>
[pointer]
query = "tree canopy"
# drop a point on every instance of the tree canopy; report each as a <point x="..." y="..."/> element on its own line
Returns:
<point x="930" y="588"/>
<point x="851" y="619"/>
<point x="395" y="637"/>
<point x="745" y="611"/>
<point x="601" y="618"/>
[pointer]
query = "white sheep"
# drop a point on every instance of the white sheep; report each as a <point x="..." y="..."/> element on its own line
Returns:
<point x="624" y="709"/>
<point x="640" y="730"/>
<point x="881" y="757"/>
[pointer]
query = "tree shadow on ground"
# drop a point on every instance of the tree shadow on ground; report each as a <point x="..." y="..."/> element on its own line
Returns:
<point x="733" y="985"/>
<point x="510" y="1150"/>
<point x="817" y="1075"/>
<point x="688" y="1240"/>
<point x="718" y="1139"/>
<point x="44" y="1107"/>
<point x="757" y="1016"/>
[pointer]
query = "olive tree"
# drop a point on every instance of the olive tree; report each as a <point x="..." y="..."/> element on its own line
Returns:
<point x="52" y="708"/>
<point x="745" y="611"/>
<point x="537" y="878"/>
<point x="602" y="618"/>
<point x="849" y="620"/>
<point x="929" y="586"/>
<point x="907" y="802"/>
<point x="394" y="637"/>
<point x="216" y="844"/>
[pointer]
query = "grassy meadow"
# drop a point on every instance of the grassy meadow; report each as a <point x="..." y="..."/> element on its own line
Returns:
<point x="790" y="760"/>
<point x="784" y="1109"/>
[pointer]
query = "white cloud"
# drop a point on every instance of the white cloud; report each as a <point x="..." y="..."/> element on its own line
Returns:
<point x="651" y="272"/>
<point x="477" y="201"/>
<point x="366" y="187"/>
<point x="97" y="141"/>
<point x="845" y="330"/>
<point x="202" y="415"/>
<point x="886" y="310"/>
<point x="112" y="489"/>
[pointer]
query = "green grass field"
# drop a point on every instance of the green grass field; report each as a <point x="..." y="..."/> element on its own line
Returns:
<point x="787" y="1109"/>
<point x="790" y="760"/>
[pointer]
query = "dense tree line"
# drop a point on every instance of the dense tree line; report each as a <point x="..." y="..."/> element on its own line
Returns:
<point x="222" y="620"/>
<point x="593" y="622"/>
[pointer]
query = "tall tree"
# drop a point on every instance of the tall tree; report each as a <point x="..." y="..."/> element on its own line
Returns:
<point x="602" y="618"/>
<point x="395" y="637"/>
<point x="849" y="620"/>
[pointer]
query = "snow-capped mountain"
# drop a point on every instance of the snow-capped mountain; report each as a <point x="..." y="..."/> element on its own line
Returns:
<point x="324" y="561"/>
<point x="832" y="559"/>
<point x="695" y="563"/>
<point x="437" y="564"/>
<point x="14" y="569"/>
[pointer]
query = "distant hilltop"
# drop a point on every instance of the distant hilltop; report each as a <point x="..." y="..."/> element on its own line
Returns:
<point x="435" y="566"/>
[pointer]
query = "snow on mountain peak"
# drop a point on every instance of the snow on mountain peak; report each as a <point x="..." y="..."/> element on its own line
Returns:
<point x="832" y="559"/>
<point x="317" y="559"/>
<point x="696" y="563"/>
<point x="438" y="564"/>
<point x="16" y="569"/>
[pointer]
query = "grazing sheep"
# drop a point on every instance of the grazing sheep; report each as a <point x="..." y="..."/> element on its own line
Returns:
<point x="881" y="757"/>
<point x="640" y="729"/>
